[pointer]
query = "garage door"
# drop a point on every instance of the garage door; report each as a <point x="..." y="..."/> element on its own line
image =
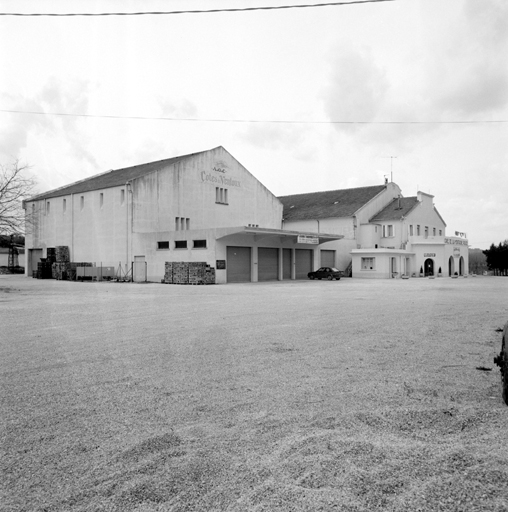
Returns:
<point x="303" y="263"/>
<point x="286" y="263"/>
<point x="238" y="264"/>
<point x="327" y="258"/>
<point x="268" y="264"/>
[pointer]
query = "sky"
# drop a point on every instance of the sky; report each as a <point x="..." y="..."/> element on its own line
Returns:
<point x="307" y="99"/>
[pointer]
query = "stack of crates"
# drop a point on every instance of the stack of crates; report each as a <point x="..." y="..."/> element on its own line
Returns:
<point x="168" y="272"/>
<point x="62" y="253"/>
<point x="180" y="272"/>
<point x="61" y="270"/>
<point x="184" y="272"/>
<point x="44" y="269"/>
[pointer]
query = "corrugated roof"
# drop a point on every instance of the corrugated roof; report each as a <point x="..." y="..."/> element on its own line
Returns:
<point x="113" y="178"/>
<point x="328" y="204"/>
<point x="397" y="209"/>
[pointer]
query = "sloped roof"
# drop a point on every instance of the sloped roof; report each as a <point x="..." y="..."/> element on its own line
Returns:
<point x="328" y="204"/>
<point x="397" y="209"/>
<point x="113" y="178"/>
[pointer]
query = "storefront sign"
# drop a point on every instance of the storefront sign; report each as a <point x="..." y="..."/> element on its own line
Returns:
<point x="451" y="241"/>
<point x="219" y="180"/>
<point x="308" y="239"/>
<point x="429" y="255"/>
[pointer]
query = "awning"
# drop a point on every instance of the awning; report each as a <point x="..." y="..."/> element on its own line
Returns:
<point x="258" y="234"/>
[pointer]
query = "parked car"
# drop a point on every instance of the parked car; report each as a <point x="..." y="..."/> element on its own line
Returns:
<point x="329" y="273"/>
<point x="502" y="361"/>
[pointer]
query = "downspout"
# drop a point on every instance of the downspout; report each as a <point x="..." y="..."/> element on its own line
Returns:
<point x="127" y="185"/>
<point x="72" y="228"/>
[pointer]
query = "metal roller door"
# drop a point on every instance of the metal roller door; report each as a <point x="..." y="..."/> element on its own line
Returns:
<point x="238" y="264"/>
<point x="268" y="264"/>
<point x="303" y="263"/>
<point x="327" y="258"/>
<point x="286" y="263"/>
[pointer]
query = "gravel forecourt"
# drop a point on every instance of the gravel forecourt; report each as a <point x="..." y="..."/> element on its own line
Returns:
<point x="350" y="395"/>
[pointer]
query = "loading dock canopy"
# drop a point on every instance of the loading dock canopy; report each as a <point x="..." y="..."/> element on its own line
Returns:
<point x="259" y="234"/>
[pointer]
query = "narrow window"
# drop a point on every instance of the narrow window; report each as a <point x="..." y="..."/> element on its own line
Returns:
<point x="181" y="244"/>
<point x="162" y="245"/>
<point x="225" y="196"/>
<point x="177" y="223"/>
<point x="182" y="224"/>
<point x="217" y="195"/>
<point x="440" y="232"/>
<point x="418" y="230"/>
<point x="426" y="231"/>
<point x="82" y="202"/>
<point x="64" y="205"/>
<point x="101" y="200"/>
<point x="48" y="205"/>
<point x="199" y="244"/>
<point x="187" y="222"/>
<point x="411" y="230"/>
<point x="433" y="231"/>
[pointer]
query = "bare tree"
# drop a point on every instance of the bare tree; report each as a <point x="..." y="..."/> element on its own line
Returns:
<point x="14" y="187"/>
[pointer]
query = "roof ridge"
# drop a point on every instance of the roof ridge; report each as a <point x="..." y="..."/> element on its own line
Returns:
<point x="333" y="190"/>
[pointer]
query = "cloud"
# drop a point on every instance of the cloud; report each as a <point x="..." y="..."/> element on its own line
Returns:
<point x="182" y="108"/>
<point x="356" y="89"/>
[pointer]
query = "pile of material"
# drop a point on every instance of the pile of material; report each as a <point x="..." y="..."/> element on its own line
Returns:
<point x="61" y="270"/>
<point x="62" y="253"/>
<point x="184" y="272"/>
<point x="44" y="269"/>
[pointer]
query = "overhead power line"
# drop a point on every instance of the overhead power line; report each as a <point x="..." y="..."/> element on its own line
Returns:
<point x="271" y="121"/>
<point x="158" y="13"/>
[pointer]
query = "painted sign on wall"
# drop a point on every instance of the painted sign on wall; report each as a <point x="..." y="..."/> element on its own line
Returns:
<point x="308" y="239"/>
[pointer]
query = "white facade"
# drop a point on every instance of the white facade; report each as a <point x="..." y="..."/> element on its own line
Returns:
<point x="186" y="209"/>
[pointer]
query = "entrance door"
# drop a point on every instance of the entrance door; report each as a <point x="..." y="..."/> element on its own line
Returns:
<point x="139" y="269"/>
<point x="461" y="266"/>
<point x="268" y="264"/>
<point x="451" y="266"/>
<point x="303" y="263"/>
<point x="34" y="257"/>
<point x="286" y="263"/>
<point x="238" y="264"/>
<point x="429" y="267"/>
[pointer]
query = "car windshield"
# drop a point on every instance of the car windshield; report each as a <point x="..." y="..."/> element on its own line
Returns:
<point x="333" y="269"/>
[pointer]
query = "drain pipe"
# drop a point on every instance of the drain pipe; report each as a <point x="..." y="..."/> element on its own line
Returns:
<point x="127" y="186"/>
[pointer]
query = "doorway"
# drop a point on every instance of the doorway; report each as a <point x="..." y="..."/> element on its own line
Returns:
<point x="428" y="267"/>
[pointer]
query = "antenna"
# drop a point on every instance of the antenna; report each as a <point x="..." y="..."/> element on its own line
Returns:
<point x="391" y="166"/>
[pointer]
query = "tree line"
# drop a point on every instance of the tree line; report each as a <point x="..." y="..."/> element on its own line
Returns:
<point x="497" y="258"/>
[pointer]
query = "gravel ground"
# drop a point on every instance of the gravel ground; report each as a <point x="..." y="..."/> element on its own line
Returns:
<point x="350" y="395"/>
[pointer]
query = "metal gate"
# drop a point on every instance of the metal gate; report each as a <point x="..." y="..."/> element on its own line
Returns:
<point x="327" y="258"/>
<point x="238" y="264"/>
<point x="268" y="264"/>
<point x="286" y="263"/>
<point x="303" y="263"/>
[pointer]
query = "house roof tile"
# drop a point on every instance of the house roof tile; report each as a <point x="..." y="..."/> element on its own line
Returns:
<point x="395" y="210"/>
<point x="328" y="204"/>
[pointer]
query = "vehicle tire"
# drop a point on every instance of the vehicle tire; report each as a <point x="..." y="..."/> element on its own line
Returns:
<point x="338" y="278"/>
<point x="330" y="278"/>
<point x="311" y="277"/>
<point x="504" y="368"/>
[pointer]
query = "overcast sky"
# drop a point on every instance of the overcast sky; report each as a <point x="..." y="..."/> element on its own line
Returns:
<point x="430" y="61"/>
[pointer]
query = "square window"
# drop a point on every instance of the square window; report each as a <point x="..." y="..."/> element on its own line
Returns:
<point x="181" y="244"/>
<point x="368" y="263"/>
<point x="162" y="245"/>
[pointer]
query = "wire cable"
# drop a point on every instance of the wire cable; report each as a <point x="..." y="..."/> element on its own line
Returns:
<point x="267" y="121"/>
<point x="208" y="11"/>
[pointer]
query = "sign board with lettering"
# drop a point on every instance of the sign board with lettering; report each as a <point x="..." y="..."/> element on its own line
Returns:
<point x="308" y="239"/>
<point x="429" y="255"/>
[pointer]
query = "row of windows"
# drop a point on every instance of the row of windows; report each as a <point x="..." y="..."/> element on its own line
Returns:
<point x="183" y="244"/>
<point x="221" y="195"/>
<point x="426" y="231"/>
<point x="82" y="202"/>
<point x="182" y="223"/>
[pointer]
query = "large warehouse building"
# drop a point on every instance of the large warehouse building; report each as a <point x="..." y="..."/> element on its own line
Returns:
<point x="207" y="207"/>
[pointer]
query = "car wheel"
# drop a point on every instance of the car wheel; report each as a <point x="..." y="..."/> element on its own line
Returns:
<point x="311" y="277"/>
<point x="330" y="278"/>
<point x="338" y="278"/>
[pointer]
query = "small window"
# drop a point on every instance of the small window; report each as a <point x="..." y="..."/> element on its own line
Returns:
<point x="177" y="224"/>
<point x="64" y="205"/>
<point x="368" y="263"/>
<point x="411" y="230"/>
<point x="162" y="245"/>
<point x="418" y="230"/>
<point x="388" y="230"/>
<point x="122" y="196"/>
<point x="426" y="231"/>
<point x="181" y="244"/>
<point x="199" y="244"/>
<point x="82" y="202"/>
<point x="48" y="207"/>
<point x="225" y="196"/>
<point x="101" y="200"/>
<point x="221" y="195"/>
<point x="440" y="232"/>
<point x="433" y="231"/>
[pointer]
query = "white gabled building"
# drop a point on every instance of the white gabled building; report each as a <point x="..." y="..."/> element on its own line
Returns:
<point x="202" y="207"/>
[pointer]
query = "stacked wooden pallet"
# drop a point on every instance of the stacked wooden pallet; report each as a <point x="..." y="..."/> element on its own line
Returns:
<point x="44" y="269"/>
<point x="62" y="253"/>
<point x="184" y="272"/>
<point x="61" y="270"/>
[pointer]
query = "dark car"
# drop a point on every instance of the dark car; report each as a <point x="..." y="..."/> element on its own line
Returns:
<point x="329" y="273"/>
